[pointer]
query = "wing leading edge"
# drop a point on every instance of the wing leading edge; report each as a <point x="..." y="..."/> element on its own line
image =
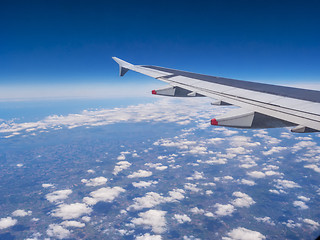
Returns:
<point x="261" y="105"/>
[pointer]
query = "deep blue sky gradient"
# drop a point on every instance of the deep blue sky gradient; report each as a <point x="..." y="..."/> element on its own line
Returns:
<point x="73" y="41"/>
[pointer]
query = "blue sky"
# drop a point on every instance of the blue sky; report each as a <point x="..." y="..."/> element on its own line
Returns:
<point x="71" y="42"/>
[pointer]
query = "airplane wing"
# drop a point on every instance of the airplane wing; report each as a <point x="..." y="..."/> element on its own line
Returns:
<point x="261" y="105"/>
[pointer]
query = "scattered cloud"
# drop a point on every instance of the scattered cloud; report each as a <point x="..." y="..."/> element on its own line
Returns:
<point x="300" y="205"/>
<point x="256" y="174"/>
<point x="144" y="184"/>
<point x="242" y="200"/>
<point x="95" y="181"/>
<point x="224" y="210"/>
<point x="21" y="213"/>
<point x="47" y="185"/>
<point x="147" y="236"/>
<point x="70" y="211"/>
<point x="312" y="223"/>
<point x="121" y="165"/>
<point x="58" y="231"/>
<point x="58" y="195"/>
<point x="182" y="218"/>
<point x="7" y="222"/>
<point x="152" y="218"/>
<point x="248" y="182"/>
<point x="106" y="194"/>
<point x="140" y="174"/>
<point x="73" y="224"/>
<point x="283" y="184"/>
<point x="243" y="234"/>
<point x="265" y="220"/>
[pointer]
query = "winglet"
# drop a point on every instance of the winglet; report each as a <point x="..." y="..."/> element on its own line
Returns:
<point x="124" y="66"/>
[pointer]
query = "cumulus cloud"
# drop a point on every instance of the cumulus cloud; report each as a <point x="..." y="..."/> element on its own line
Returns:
<point x="248" y="182"/>
<point x="58" y="231"/>
<point x="21" y="213"/>
<point x="274" y="150"/>
<point x="256" y="174"/>
<point x="282" y="184"/>
<point x="47" y="185"/>
<point x="147" y="236"/>
<point x="312" y="223"/>
<point x="243" y="141"/>
<point x="152" y="218"/>
<point x="265" y="220"/>
<point x="164" y="110"/>
<point x="106" y="194"/>
<point x="58" y="195"/>
<point x="95" y="181"/>
<point x="196" y="176"/>
<point x="152" y="199"/>
<point x="192" y="187"/>
<point x="182" y="218"/>
<point x="242" y="200"/>
<point x="70" y="211"/>
<point x="140" y="174"/>
<point x="144" y="184"/>
<point x="315" y="167"/>
<point x="300" y="205"/>
<point x="303" y="198"/>
<point x="243" y="234"/>
<point x="121" y="165"/>
<point x="7" y="222"/>
<point x="73" y="224"/>
<point x="224" y="210"/>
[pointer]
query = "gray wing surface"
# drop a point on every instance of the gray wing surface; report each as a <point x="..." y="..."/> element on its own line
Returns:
<point x="261" y="105"/>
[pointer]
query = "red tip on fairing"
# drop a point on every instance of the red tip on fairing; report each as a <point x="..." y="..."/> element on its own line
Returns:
<point x="154" y="92"/>
<point x="214" y="122"/>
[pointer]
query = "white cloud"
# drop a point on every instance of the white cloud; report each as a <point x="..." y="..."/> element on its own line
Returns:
<point x="70" y="211"/>
<point x="303" y="198"/>
<point x="121" y="165"/>
<point x="7" y="222"/>
<point x="182" y="218"/>
<point x="242" y="141"/>
<point x="238" y="150"/>
<point x="274" y="150"/>
<point x="147" y="236"/>
<point x="152" y="218"/>
<point x="303" y="144"/>
<point x="196" y="210"/>
<point x="164" y="110"/>
<point x="315" y="167"/>
<point x="144" y="184"/>
<point x="140" y="174"/>
<point x="248" y="182"/>
<point x="312" y="223"/>
<point x="256" y="174"/>
<point x="283" y="184"/>
<point x="21" y="213"/>
<point x="98" y="181"/>
<point x="265" y="220"/>
<point x="91" y="171"/>
<point x="242" y="200"/>
<point x="243" y="234"/>
<point x="73" y="224"/>
<point x="150" y="200"/>
<point x="224" y="210"/>
<point x="196" y="176"/>
<point x="58" y="195"/>
<point x="58" y="231"/>
<point x="300" y="204"/>
<point x="86" y="218"/>
<point x="47" y="185"/>
<point x="19" y="165"/>
<point x="192" y="187"/>
<point x="106" y="194"/>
